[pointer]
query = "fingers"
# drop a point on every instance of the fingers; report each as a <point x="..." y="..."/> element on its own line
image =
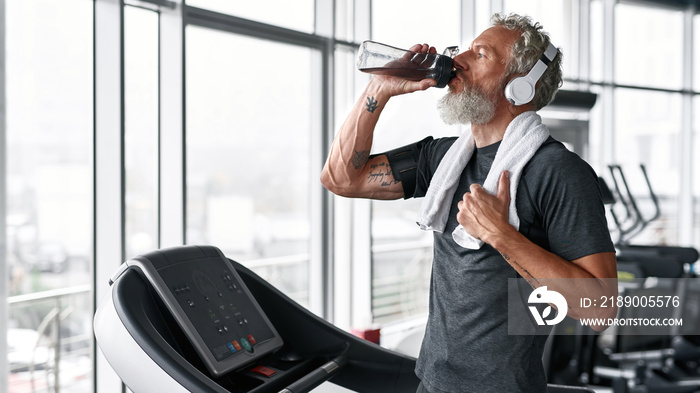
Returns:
<point x="423" y="48"/>
<point x="418" y="54"/>
<point x="503" y="191"/>
<point x="469" y="203"/>
<point x="482" y="214"/>
<point x="405" y="86"/>
<point x="416" y="48"/>
<point x="426" y="83"/>
<point x="477" y="200"/>
<point x="421" y="55"/>
<point x="465" y="213"/>
<point x="502" y="188"/>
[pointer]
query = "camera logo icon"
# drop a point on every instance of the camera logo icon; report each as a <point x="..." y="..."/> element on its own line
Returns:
<point x="543" y="296"/>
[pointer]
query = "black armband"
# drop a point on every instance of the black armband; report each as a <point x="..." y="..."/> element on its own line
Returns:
<point x="403" y="162"/>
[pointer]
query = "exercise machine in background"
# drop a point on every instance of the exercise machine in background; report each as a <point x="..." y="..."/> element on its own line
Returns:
<point x="643" y="260"/>
<point x="665" y="361"/>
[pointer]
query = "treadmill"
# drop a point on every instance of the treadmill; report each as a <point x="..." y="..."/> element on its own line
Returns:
<point x="188" y="319"/>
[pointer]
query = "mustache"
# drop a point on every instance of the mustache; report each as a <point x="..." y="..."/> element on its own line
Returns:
<point x="493" y="91"/>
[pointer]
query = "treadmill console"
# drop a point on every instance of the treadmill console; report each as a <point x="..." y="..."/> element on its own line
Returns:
<point x="209" y="301"/>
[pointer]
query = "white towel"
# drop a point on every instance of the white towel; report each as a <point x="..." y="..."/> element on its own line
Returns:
<point x="524" y="135"/>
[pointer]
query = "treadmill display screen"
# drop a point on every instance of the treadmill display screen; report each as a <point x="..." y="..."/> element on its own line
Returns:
<point x="215" y="310"/>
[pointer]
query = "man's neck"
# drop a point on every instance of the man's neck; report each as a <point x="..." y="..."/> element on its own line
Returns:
<point x="493" y="131"/>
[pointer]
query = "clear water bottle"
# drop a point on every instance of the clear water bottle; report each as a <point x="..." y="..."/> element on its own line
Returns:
<point x="381" y="59"/>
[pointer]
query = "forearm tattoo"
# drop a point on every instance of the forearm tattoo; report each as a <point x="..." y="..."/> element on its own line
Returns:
<point x="526" y="274"/>
<point x="359" y="159"/>
<point x="381" y="173"/>
<point x="371" y="104"/>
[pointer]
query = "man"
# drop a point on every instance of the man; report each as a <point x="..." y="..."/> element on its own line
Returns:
<point x="562" y="230"/>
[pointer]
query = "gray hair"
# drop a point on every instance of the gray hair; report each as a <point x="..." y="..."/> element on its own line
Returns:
<point x="526" y="51"/>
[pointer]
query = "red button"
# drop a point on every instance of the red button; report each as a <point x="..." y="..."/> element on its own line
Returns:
<point x="251" y="339"/>
<point x="268" y="372"/>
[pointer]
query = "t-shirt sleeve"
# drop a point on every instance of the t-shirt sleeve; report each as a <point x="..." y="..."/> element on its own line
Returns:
<point x="567" y="195"/>
<point x="430" y="156"/>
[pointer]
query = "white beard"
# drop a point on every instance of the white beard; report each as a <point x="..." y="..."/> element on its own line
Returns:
<point x="467" y="106"/>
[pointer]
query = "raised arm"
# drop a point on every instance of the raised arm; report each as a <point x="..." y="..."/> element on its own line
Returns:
<point x="349" y="170"/>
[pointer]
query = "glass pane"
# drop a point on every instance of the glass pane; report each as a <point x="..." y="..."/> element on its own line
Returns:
<point x="596" y="41"/>
<point x="297" y="14"/>
<point x="648" y="46"/>
<point x="402" y="258"/>
<point x="696" y="53"/>
<point x="49" y="86"/>
<point x="647" y="126"/>
<point x="248" y="153"/>
<point x="345" y="83"/>
<point x="695" y="169"/>
<point x="344" y="20"/>
<point x="141" y="129"/>
<point x="401" y="23"/>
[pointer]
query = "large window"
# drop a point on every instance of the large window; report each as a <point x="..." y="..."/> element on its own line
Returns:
<point x="250" y="123"/>
<point x="49" y="192"/>
<point x="645" y="40"/>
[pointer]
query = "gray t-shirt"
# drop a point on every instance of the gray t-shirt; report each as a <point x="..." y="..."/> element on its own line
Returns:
<point x="466" y="347"/>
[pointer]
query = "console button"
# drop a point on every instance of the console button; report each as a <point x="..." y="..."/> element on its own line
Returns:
<point x="246" y="344"/>
<point x="262" y="370"/>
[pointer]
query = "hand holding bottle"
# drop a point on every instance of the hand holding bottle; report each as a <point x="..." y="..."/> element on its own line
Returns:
<point x="417" y="64"/>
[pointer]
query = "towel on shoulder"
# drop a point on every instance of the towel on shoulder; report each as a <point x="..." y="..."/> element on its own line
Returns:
<point x="523" y="137"/>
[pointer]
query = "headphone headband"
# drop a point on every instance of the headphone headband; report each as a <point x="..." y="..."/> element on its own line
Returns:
<point x="541" y="66"/>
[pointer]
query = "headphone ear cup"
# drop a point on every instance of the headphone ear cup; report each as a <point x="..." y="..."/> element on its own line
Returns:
<point x="520" y="90"/>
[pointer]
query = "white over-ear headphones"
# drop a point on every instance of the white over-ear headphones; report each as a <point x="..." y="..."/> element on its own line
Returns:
<point x="521" y="90"/>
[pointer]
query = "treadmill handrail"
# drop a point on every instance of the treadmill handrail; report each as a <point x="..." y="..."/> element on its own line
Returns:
<point x="317" y="376"/>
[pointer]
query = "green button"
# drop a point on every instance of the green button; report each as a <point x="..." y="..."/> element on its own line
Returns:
<point x="246" y="344"/>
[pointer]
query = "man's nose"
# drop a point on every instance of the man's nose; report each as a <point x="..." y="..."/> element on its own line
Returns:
<point x="460" y="61"/>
